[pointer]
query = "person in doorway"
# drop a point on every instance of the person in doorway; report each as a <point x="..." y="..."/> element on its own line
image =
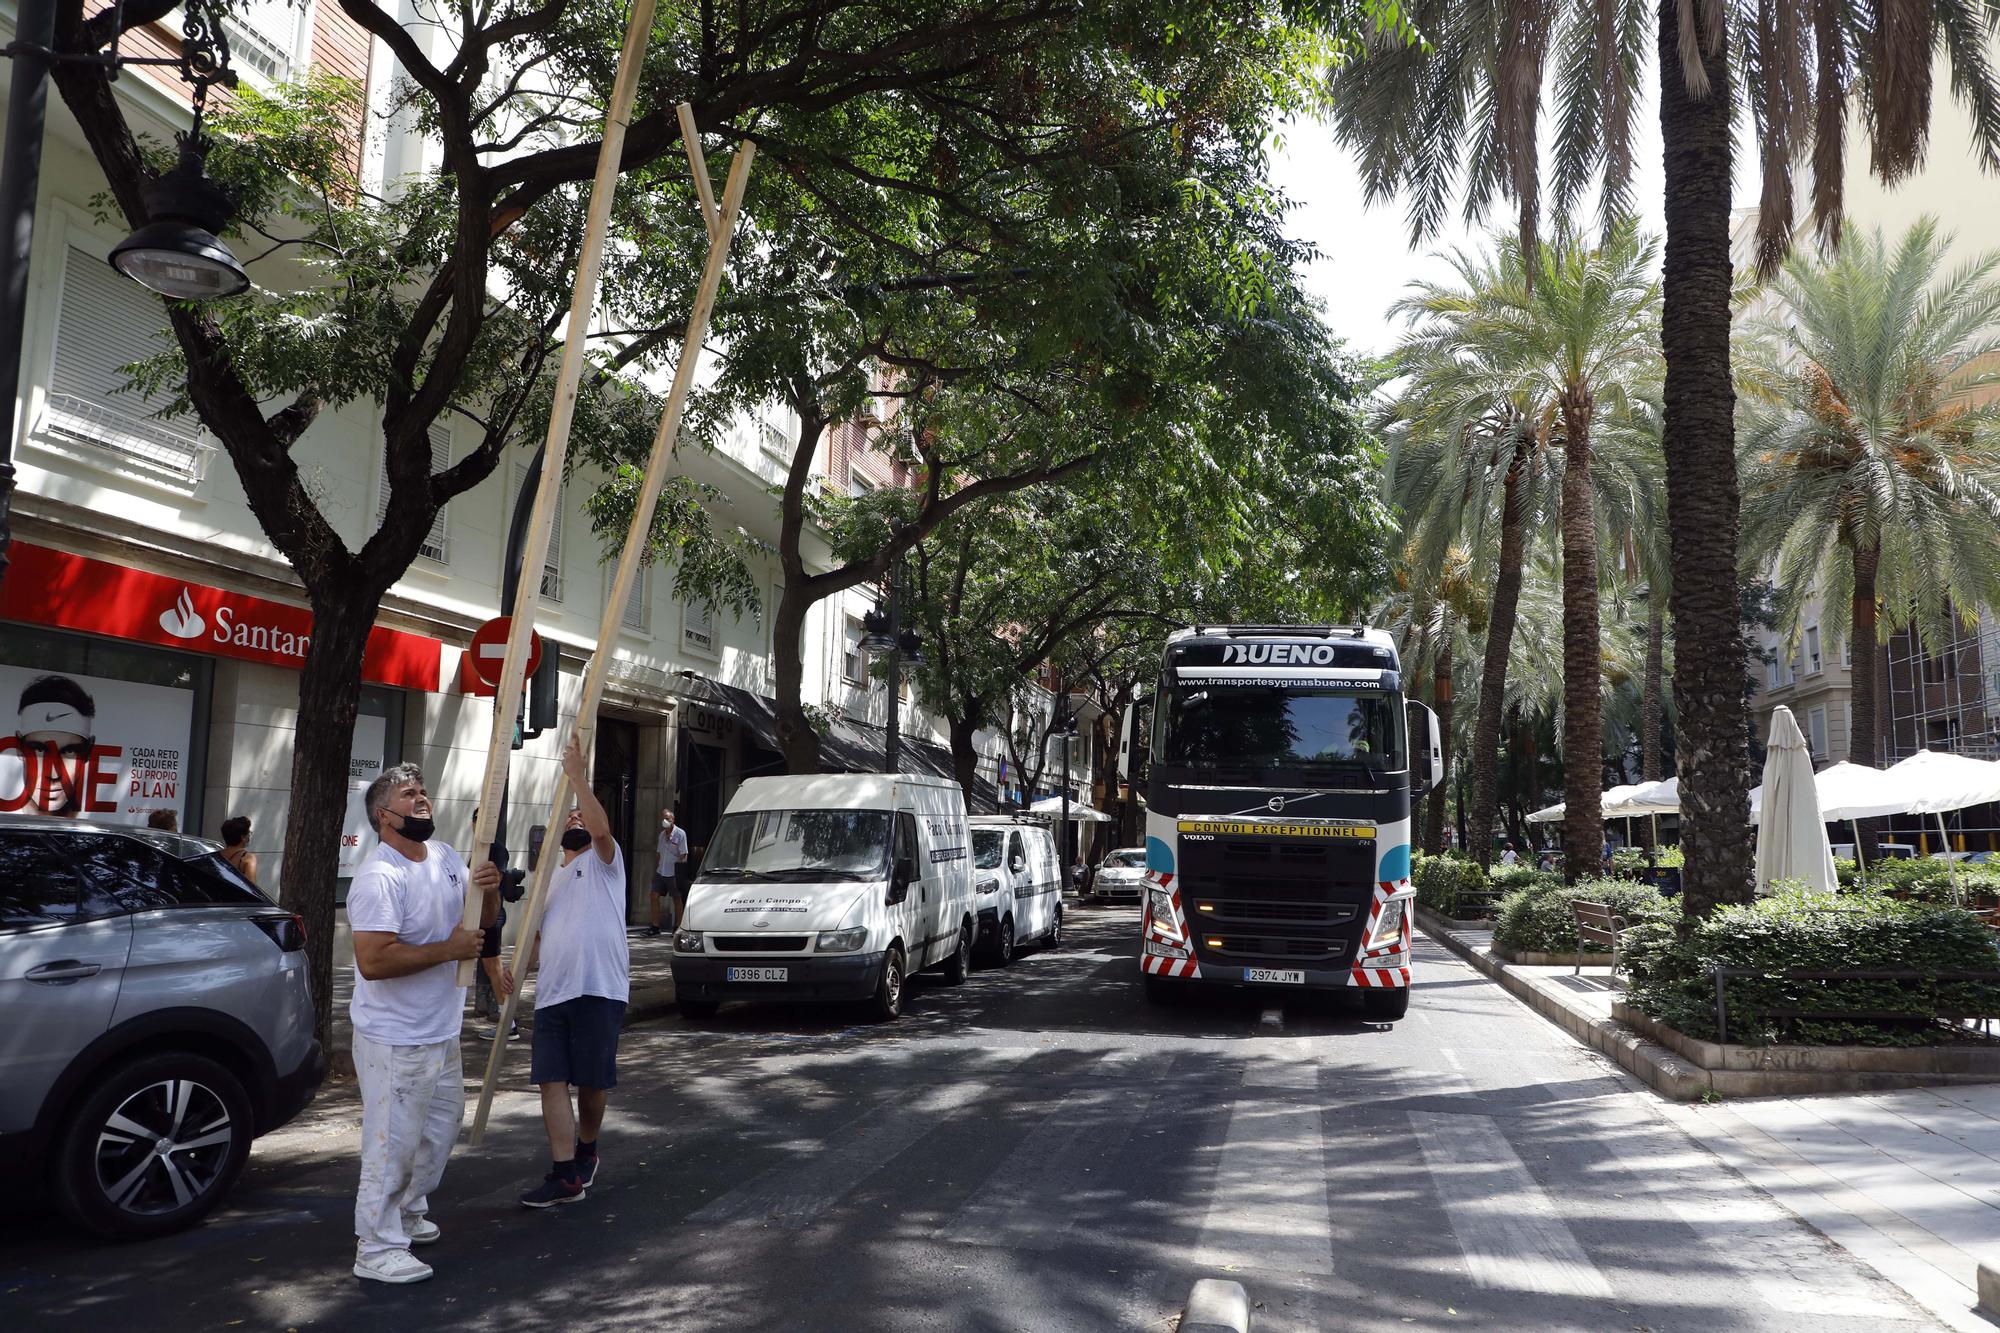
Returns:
<point x="236" y="847"/>
<point x="581" y="992"/>
<point x="405" y="906"/>
<point x="1508" y="856"/>
<point x="56" y="726"/>
<point x="673" y="849"/>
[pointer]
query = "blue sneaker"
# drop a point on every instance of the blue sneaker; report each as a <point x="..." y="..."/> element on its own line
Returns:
<point x="554" y="1189"/>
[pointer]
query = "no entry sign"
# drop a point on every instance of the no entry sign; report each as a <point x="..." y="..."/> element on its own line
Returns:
<point x="489" y="650"/>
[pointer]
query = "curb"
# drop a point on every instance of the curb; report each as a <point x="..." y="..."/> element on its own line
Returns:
<point x="1989" y="1289"/>
<point x="1649" y="1062"/>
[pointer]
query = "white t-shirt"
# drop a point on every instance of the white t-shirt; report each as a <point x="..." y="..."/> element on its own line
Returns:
<point x="671" y="847"/>
<point x="583" y="933"/>
<point x="419" y="902"/>
<point x="1510" y="857"/>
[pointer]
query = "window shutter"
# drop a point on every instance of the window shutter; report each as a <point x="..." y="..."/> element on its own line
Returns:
<point x="638" y="613"/>
<point x="264" y="35"/>
<point x="552" y="586"/>
<point x="108" y="322"/>
<point x="436" y="545"/>
<point x="698" y="628"/>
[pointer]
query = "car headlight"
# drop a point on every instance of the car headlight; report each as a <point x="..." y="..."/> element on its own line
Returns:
<point x="842" y="941"/>
<point x="1389" y="926"/>
<point x="687" y="941"/>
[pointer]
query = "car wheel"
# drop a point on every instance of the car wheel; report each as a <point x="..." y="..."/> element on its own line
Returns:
<point x="699" y="1010"/>
<point x="887" y="1005"/>
<point x="153" y="1147"/>
<point x="1003" y="949"/>
<point x="1055" y="930"/>
<point x="1158" y="989"/>
<point x="1386" y="1005"/>
<point x="959" y="965"/>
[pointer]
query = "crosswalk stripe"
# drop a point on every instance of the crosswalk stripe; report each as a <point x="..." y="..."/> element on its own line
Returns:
<point x="1267" y="1208"/>
<point x="794" y="1192"/>
<point x="1026" y="1203"/>
<point x="1508" y="1230"/>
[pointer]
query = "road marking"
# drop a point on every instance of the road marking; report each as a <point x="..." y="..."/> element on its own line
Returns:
<point x="1509" y="1231"/>
<point x="794" y="1192"/>
<point x="1267" y="1208"/>
<point x="1033" y="1198"/>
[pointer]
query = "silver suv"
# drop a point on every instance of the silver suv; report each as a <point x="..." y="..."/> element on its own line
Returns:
<point x="157" y="1018"/>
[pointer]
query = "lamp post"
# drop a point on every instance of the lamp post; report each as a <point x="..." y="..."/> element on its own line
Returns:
<point x="883" y="633"/>
<point x="175" y="253"/>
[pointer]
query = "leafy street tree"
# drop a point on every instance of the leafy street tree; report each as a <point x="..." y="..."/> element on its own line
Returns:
<point x="1870" y="444"/>
<point x="941" y="108"/>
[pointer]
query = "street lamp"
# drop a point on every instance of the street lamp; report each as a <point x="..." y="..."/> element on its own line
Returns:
<point x="176" y="253"/>
<point x="883" y="635"/>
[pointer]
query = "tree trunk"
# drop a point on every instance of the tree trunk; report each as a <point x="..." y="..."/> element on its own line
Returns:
<point x="1703" y="499"/>
<point x="1493" y="673"/>
<point x="1583" y="654"/>
<point x="329" y="697"/>
<point x="1651" y="711"/>
<point x="1441" y="701"/>
<point x="1862" y="721"/>
<point x="964" y="756"/>
<point x="795" y="729"/>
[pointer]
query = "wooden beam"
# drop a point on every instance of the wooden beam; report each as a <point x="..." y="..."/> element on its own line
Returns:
<point x="711" y="218"/>
<point x="665" y="441"/>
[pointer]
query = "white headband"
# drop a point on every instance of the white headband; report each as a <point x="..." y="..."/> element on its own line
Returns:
<point x="52" y="716"/>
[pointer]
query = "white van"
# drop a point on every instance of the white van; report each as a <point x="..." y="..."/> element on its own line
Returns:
<point x="834" y="886"/>
<point x="1018" y="885"/>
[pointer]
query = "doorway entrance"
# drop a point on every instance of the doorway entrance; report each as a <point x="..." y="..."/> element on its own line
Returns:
<point x="700" y="803"/>
<point x="614" y="778"/>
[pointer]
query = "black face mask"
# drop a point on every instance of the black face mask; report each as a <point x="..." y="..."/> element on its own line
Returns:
<point x="575" y="839"/>
<point x="418" y="828"/>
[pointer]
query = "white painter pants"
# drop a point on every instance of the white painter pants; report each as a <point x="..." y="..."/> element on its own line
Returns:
<point x="412" y="1098"/>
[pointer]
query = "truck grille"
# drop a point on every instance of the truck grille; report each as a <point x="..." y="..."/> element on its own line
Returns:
<point x="758" y="943"/>
<point x="1252" y="900"/>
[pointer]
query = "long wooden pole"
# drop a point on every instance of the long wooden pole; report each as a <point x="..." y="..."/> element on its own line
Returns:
<point x="534" y="551"/>
<point x="721" y="226"/>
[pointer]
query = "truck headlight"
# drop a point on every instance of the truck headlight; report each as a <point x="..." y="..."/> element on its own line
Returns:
<point x="1389" y="926"/>
<point x="842" y="941"/>
<point x="1162" y="906"/>
<point x="687" y="941"/>
<point x="1159" y="950"/>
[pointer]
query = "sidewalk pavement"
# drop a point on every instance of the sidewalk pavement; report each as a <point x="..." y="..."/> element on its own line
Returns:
<point x="1906" y="1180"/>
<point x="652" y="995"/>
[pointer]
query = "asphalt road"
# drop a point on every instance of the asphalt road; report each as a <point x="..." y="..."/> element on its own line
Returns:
<point x="1038" y="1149"/>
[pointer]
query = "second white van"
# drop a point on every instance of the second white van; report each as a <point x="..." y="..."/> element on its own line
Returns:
<point x="833" y="886"/>
<point x="1017" y="881"/>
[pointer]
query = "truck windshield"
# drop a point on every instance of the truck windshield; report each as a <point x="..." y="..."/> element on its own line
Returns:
<point x="986" y="846"/>
<point x="800" y="844"/>
<point x="1214" y="726"/>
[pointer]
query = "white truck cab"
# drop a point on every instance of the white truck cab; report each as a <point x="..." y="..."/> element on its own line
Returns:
<point x="1017" y="881"/>
<point x="828" y="887"/>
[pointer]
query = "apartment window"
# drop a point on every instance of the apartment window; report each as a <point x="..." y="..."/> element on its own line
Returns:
<point x="265" y="36"/>
<point x="105" y="323"/>
<point x="552" y="583"/>
<point x="1847" y="652"/>
<point x="436" y="545"/>
<point x="698" y="627"/>
<point x="858" y="485"/>
<point x="1816" y="731"/>
<point x="1773" y="673"/>
<point x="638" y="613"/>
<point x="852" y="667"/>
<point x="1812" y="650"/>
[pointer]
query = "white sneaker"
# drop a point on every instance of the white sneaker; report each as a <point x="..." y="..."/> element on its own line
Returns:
<point x="393" y="1266"/>
<point x="425" y="1232"/>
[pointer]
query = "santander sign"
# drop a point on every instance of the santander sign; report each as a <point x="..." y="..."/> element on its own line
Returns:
<point x="49" y="587"/>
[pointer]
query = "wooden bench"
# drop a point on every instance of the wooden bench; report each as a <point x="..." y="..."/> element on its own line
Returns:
<point x="1597" y="924"/>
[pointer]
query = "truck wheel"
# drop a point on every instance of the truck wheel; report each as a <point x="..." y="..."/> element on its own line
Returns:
<point x="1003" y="947"/>
<point x="1387" y="1005"/>
<point x="959" y="965"/>
<point x="699" y="1010"/>
<point x="111" y="1176"/>
<point x="887" y="1004"/>
<point x="1158" y="989"/>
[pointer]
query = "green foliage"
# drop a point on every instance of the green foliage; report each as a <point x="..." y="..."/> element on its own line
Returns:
<point x="1929" y="879"/>
<point x="1508" y="879"/>
<point x="1797" y="929"/>
<point x="1443" y="883"/>
<point x="1630" y="862"/>
<point x="1538" y="919"/>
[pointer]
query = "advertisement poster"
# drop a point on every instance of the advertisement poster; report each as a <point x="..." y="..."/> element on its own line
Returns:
<point x="85" y="747"/>
<point x="364" y="765"/>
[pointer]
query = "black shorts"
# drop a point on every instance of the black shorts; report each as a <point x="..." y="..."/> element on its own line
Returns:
<point x="663" y="885"/>
<point x="576" y="1042"/>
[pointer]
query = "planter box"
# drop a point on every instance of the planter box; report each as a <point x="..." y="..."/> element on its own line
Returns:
<point x="1529" y="958"/>
<point x="1754" y="1071"/>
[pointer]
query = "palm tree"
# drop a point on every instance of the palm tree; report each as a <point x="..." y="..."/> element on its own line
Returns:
<point x="1870" y="444"/>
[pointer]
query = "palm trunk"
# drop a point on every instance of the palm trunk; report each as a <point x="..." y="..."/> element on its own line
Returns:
<point x="1861" y="748"/>
<point x="1583" y="654"/>
<point x="1441" y="701"/>
<point x="1493" y="673"/>
<point x="1651" y="709"/>
<point x="1703" y="499"/>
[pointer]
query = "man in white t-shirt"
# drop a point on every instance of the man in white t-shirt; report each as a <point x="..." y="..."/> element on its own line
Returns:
<point x="673" y="849"/>
<point x="404" y="907"/>
<point x="1509" y="857"/>
<point x="580" y="991"/>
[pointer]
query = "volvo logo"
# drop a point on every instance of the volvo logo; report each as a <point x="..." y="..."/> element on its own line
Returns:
<point x="1275" y="804"/>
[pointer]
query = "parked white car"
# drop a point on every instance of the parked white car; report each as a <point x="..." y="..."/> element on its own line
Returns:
<point x="1121" y="876"/>
<point x="1018" y="884"/>
<point x="828" y="887"/>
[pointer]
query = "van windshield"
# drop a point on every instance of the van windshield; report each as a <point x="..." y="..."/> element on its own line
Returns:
<point x="986" y="845"/>
<point x="800" y="844"/>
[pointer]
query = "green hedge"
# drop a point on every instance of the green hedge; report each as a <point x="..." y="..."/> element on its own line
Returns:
<point x="1796" y="929"/>
<point x="1630" y="862"/>
<point x="1442" y="882"/>
<point x="1538" y="919"/>
<point x="1929" y="879"/>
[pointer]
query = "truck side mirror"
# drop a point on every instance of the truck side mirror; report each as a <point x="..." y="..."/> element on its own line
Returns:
<point x="1426" y="749"/>
<point x="900" y="876"/>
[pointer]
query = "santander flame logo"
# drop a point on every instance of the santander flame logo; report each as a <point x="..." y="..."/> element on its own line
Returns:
<point x="181" y="620"/>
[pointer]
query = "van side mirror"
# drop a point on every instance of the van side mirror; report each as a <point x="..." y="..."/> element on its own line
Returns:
<point x="1017" y="864"/>
<point x="900" y="876"/>
<point x="1426" y="749"/>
